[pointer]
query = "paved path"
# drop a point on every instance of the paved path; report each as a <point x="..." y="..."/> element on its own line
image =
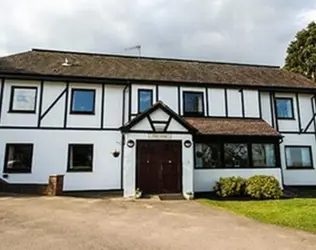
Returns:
<point x="32" y="223"/>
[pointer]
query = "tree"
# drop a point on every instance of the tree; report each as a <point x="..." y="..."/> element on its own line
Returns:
<point x="301" y="53"/>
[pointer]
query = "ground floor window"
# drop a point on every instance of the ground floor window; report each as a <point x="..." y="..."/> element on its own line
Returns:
<point x="18" y="158"/>
<point x="80" y="158"/>
<point x="263" y="155"/>
<point x="208" y="155"/>
<point x="235" y="155"/>
<point x="298" y="157"/>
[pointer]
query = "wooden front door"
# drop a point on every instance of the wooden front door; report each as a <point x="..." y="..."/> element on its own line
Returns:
<point x="158" y="167"/>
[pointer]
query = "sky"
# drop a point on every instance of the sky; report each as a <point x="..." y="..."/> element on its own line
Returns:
<point x="246" y="31"/>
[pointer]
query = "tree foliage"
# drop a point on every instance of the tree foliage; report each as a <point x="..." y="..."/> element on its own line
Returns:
<point x="301" y="53"/>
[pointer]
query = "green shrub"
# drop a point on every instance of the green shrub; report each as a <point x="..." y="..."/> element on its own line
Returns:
<point x="263" y="187"/>
<point x="230" y="186"/>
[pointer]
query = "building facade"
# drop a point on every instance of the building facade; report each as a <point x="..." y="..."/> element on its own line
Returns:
<point x="161" y="125"/>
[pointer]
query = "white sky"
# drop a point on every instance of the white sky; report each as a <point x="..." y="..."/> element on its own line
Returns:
<point x="250" y="31"/>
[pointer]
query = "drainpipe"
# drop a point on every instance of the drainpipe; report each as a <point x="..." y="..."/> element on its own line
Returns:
<point x="123" y="136"/>
<point x="279" y="156"/>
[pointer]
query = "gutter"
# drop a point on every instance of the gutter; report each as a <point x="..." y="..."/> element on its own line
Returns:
<point x="122" y="135"/>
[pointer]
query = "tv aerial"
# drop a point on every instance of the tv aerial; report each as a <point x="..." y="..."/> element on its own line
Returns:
<point x="137" y="47"/>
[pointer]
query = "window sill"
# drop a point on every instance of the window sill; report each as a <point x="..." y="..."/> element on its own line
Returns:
<point x="300" y="168"/>
<point x="286" y="118"/>
<point x="79" y="171"/>
<point x="236" y="168"/>
<point x="193" y="114"/>
<point x="82" y="113"/>
<point x="22" y="111"/>
<point x="17" y="172"/>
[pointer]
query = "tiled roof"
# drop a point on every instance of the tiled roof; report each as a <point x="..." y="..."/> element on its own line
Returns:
<point x="232" y="126"/>
<point x="47" y="62"/>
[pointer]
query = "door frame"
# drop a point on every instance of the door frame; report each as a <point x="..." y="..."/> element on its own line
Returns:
<point x="180" y="162"/>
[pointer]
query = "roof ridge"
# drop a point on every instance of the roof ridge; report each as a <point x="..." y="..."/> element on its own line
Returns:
<point x="155" y="58"/>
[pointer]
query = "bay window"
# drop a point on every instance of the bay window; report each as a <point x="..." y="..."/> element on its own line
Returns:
<point x="235" y="155"/>
<point x="263" y="155"/>
<point x="208" y="155"/>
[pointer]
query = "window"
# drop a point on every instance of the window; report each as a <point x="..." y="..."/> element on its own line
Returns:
<point x="18" y="158"/>
<point x="23" y="99"/>
<point x="263" y="155"/>
<point x="208" y="155"/>
<point x="145" y="99"/>
<point x="82" y="101"/>
<point x="80" y="158"/>
<point x="236" y="155"/>
<point x="284" y="108"/>
<point x="193" y="104"/>
<point x="298" y="157"/>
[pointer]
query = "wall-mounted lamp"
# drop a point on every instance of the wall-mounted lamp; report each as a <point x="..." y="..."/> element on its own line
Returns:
<point x="130" y="143"/>
<point x="187" y="143"/>
<point x="115" y="153"/>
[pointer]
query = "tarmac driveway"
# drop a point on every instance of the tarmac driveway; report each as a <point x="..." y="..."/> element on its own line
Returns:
<point x="31" y="223"/>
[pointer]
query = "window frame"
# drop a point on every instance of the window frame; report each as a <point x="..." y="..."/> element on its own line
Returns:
<point x="219" y="145"/>
<point x="222" y="141"/>
<point x="193" y="114"/>
<point x="72" y="170"/>
<point x="299" y="168"/>
<point x="138" y="98"/>
<point x="249" y="155"/>
<point x="275" y="154"/>
<point x="13" y="88"/>
<point x="292" y="108"/>
<point x="6" y="156"/>
<point x="74" y="112"/>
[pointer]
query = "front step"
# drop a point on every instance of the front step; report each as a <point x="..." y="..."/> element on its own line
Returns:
<point x="171" y="197"/>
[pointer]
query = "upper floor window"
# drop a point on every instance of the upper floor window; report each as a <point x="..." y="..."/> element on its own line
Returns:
<point x="298" y="157"/>
<point x="80" y="158"/>
<point x="193" y="103"/>
<point x="82" y="101"/>
<point x="145" y="99"/>
<point x="284" y="108"/>
<point x="18" y="158"/>
<point x="23" y="99"/>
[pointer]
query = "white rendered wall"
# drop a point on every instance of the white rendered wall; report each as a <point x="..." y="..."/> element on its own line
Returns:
<point x="113" y="106"/>
<point x="18" y="119"/>
<point x="216" y="102"/>
<point x="50" y="157"/>
<point x="169" y="95"/>
<point x="288" y="125"/>
<point x="251" y="103"/>
<point x="306" y="111"/>
<point x="55" y="117"/>
<point x="294" y="176"/>
<point x="266" y="107"/>
<point x="234" y="102"/>
<point x="113" y="101"/>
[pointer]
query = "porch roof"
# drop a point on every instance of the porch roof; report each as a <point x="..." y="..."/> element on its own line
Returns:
<point x="232" y="126"/>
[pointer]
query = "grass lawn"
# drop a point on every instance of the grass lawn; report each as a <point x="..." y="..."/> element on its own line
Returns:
<point x="297" y="213"/>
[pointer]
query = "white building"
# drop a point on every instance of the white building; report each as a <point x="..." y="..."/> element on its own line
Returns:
<point x="110" y="122"/>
